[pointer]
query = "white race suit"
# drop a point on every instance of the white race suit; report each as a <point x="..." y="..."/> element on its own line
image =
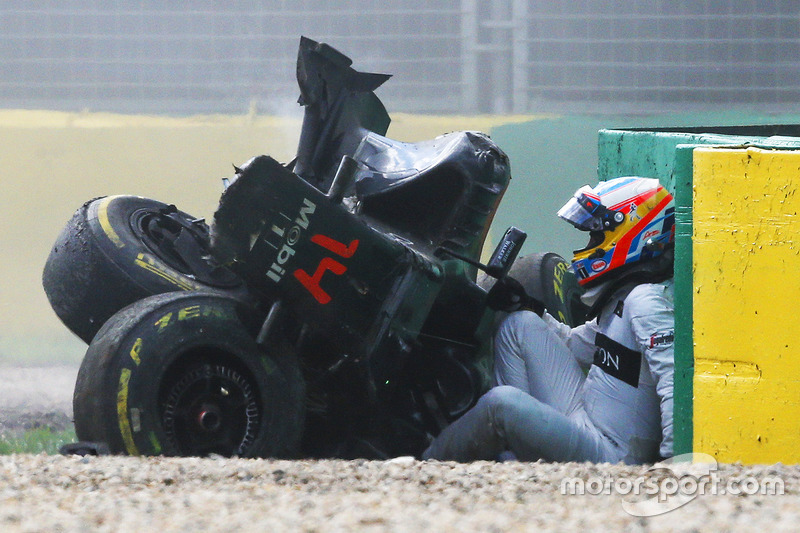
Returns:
<point x="546" y="407"/>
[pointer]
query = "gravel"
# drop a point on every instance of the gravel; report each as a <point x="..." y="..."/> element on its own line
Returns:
<point x="56" y="493"/>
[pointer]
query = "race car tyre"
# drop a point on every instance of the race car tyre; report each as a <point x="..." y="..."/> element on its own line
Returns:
<point x="546" y="277"/>
<point x="179" y="374"/>
<point x="118" y="249"/>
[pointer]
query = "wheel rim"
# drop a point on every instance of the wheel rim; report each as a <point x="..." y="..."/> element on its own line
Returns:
<point x="212" y="408"/>
<point x="182" y="243"/>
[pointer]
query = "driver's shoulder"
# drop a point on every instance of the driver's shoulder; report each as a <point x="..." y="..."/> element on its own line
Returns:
<point x="645" y="298"/>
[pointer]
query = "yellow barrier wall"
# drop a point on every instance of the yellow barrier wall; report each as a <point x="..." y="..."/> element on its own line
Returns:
<point x="52" y="162"/>
<point x="746" y="246"/>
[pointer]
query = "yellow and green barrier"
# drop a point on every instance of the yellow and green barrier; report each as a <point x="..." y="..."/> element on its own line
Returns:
<point x="737" y="390"/>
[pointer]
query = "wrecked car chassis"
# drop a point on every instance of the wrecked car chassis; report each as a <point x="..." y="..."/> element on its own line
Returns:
<point x="331" y="309"/>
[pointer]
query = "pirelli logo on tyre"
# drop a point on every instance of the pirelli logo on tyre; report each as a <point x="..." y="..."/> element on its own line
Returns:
<point x="193" y="312"/>
<point x="149" y="263"/>
<point x="558" y="286"/>
<point x="122" y="412"/>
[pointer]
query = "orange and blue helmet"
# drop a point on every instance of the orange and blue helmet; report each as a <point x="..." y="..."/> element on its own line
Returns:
<point x="629" y="219"/>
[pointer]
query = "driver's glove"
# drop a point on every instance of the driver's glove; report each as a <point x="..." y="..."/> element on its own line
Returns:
<point x="508" y="295"/>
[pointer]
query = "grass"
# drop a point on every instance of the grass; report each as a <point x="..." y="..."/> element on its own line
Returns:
<point x="35" y="441"/>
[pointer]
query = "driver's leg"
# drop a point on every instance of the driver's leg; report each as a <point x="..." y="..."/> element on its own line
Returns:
<point x="532" y="357"/>
<point x="506" y="418"/>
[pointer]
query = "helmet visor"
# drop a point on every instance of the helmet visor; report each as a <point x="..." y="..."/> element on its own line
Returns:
<point x="582" y="210"/>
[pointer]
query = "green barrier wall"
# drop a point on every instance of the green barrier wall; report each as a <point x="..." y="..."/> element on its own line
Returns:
<point x="729" y="391"/>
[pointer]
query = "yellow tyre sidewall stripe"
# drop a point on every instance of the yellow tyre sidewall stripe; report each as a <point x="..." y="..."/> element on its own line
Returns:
<point x="105" y="223"/>
<point x="145" y="261"/>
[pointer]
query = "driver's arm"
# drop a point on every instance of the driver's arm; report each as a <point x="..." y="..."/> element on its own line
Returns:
<point x="579" y="340"/>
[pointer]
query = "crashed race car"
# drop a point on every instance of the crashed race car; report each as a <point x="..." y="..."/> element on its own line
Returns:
<point x="336" y="306"/>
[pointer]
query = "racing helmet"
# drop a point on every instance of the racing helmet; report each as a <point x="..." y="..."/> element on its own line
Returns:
<point x="629" y="220"/>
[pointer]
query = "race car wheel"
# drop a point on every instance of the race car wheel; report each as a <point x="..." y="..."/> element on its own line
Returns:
<point x="180" y="374"/>
<point x="546" y="277"/>
<point x="118" y="249"/>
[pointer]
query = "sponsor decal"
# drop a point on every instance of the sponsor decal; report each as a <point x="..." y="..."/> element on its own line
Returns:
<point x="651" y="233"/>
<point x="122" y="412"/>
<point x="289" y="235"/>
<point x="558" y="289"/>
<point x="155" y="266"/>
<point x="633" y="211"/>
<point x="599" y="265"/>
<point x="662" y="339"/>
<point x="312" y="282"/>
<point x="617" y="360"/>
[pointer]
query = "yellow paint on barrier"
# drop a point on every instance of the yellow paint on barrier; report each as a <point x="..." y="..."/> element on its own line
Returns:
<point x="746" y="259"/>
<point x="728" y="376"/>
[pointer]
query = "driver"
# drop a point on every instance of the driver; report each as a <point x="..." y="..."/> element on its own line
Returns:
<point x="546" y="406"/>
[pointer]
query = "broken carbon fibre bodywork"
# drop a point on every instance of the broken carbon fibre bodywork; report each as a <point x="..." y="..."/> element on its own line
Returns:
<point x="357" y="247"/>
<point x="351" y="322"/>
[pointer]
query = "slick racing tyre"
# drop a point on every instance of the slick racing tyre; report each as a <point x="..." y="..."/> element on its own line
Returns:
<point x="179" y="374"/>
<point x="546" y="277"/>
<point x="119" y="249"/>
